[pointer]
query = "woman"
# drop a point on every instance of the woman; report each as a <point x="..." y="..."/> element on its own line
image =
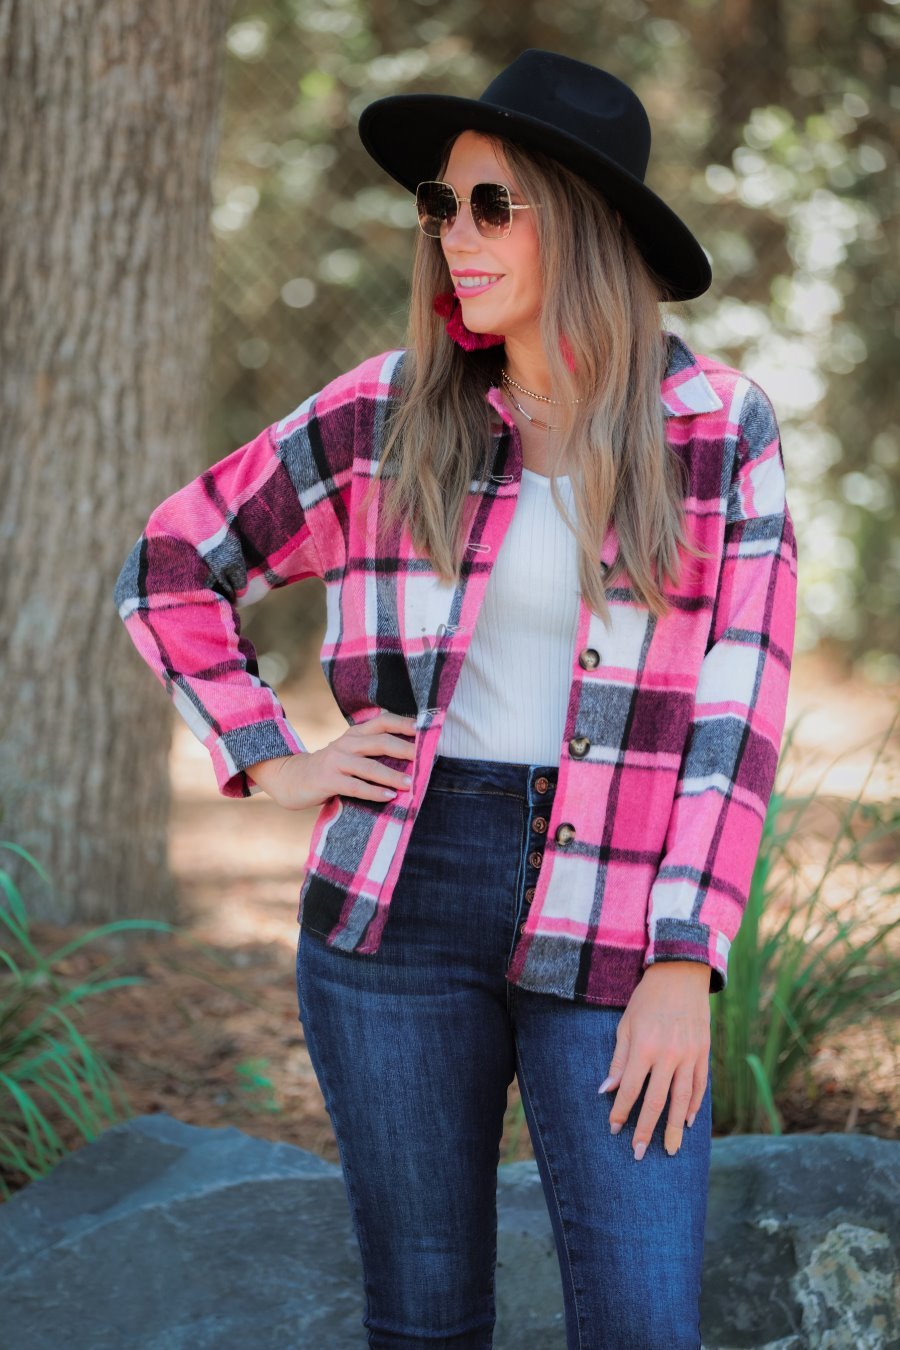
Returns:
<point x="535" y="839"/>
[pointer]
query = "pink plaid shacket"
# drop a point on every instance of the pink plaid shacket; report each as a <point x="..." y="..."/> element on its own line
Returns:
<point x="673" y="726"/>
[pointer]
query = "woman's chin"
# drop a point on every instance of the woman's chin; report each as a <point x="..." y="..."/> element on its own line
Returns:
<point x="480" y="321"/>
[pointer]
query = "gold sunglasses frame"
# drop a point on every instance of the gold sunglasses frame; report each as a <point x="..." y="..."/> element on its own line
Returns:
<point x="513" y="206"/>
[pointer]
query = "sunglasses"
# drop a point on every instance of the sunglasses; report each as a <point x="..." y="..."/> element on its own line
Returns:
<point x="438" y="206"/>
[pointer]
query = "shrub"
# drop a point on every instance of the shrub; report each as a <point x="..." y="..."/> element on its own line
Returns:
<point x="812" y="970"/>
<point x="47" y="1068"/>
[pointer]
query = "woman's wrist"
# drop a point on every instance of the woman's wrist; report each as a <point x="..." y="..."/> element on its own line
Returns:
<point x="265" y="772"/>
<point x="697" y="970"/>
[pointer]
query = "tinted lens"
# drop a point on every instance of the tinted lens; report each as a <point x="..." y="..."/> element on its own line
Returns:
<point x="436" y="205"/>
<point x="490" y="209"/>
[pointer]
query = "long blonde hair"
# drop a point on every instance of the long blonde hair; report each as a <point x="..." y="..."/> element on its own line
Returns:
<point x="600" y="293"/>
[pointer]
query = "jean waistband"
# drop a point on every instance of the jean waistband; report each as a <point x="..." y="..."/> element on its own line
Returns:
<point x="490" y="775"/>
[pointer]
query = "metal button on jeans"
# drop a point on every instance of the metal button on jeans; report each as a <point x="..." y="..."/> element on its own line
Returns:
<point x="539" y="824"/>
<point x="535" y="859"/>
<point x="541" y="784"/>
<point x="530" y="894"/>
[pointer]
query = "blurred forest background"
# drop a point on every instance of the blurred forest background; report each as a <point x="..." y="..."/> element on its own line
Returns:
<point x="775" y="136"/>
<point x="184" y="172"/>
<point x="192" y="193"/>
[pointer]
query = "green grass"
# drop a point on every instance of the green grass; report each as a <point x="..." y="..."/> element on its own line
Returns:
<point x="48" y="1070"/>
<point x="818" y="967"/>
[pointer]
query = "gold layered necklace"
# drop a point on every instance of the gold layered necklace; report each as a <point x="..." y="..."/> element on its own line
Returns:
<point x="509" y="384"/>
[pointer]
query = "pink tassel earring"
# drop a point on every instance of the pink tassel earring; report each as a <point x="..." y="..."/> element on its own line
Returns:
<point x="448" y="307"/>
<point x="566" y="350"/>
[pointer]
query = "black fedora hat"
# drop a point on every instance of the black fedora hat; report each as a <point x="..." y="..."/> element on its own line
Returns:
<point x="584" y="117"/>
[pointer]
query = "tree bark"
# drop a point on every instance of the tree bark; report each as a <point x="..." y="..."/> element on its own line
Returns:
<point x="109" y="123"/>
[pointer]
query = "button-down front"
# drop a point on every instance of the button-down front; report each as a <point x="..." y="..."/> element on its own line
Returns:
<point x="672" y="728"/>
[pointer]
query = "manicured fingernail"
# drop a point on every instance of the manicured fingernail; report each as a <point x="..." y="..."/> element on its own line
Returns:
<point x="691" y="1118"/>
<point x="615" y="1128"/>
<point x="605" y="1085"/>
<point x="639" y="1151"/>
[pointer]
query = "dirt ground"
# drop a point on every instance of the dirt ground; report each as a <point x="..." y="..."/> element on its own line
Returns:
<point x="213" y="1035"/>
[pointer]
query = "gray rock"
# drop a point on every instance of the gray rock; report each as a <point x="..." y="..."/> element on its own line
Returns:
<point x="802" y="1241"/>
<point x="163" y="1236"/>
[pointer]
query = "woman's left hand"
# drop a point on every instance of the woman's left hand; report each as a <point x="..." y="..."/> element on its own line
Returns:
<point x="664" y="1031"/>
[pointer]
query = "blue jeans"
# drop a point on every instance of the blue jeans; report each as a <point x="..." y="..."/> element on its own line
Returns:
<point x="414" y="1049"/>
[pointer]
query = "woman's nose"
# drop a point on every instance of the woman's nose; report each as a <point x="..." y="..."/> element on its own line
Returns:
<point x="461" y="230"/>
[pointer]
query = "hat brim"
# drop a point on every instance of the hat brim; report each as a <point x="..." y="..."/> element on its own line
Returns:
<point x="405" y="134"/>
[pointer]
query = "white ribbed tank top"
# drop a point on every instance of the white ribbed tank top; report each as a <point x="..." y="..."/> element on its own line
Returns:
<point x="509" y="702"/>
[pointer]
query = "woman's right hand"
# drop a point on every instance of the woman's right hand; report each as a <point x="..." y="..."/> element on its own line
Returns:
<point x="343" y="767"/>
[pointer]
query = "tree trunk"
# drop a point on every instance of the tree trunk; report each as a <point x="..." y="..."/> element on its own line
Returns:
<point x="108" y="136"/>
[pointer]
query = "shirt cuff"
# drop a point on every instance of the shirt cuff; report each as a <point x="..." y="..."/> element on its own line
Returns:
<point x="235" y="751"/>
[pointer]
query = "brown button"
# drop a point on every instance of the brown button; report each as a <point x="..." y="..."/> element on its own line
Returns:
<point x="539" y="824"/>
<point x="589" y="659"/>
<point x="541" y="784"/>
<point x="529" y="894"/>
<point x="579" y="746"/>
<point x="522" y="926"/>
<point x="535" y="859"/>
<point x="565" y="832"/>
